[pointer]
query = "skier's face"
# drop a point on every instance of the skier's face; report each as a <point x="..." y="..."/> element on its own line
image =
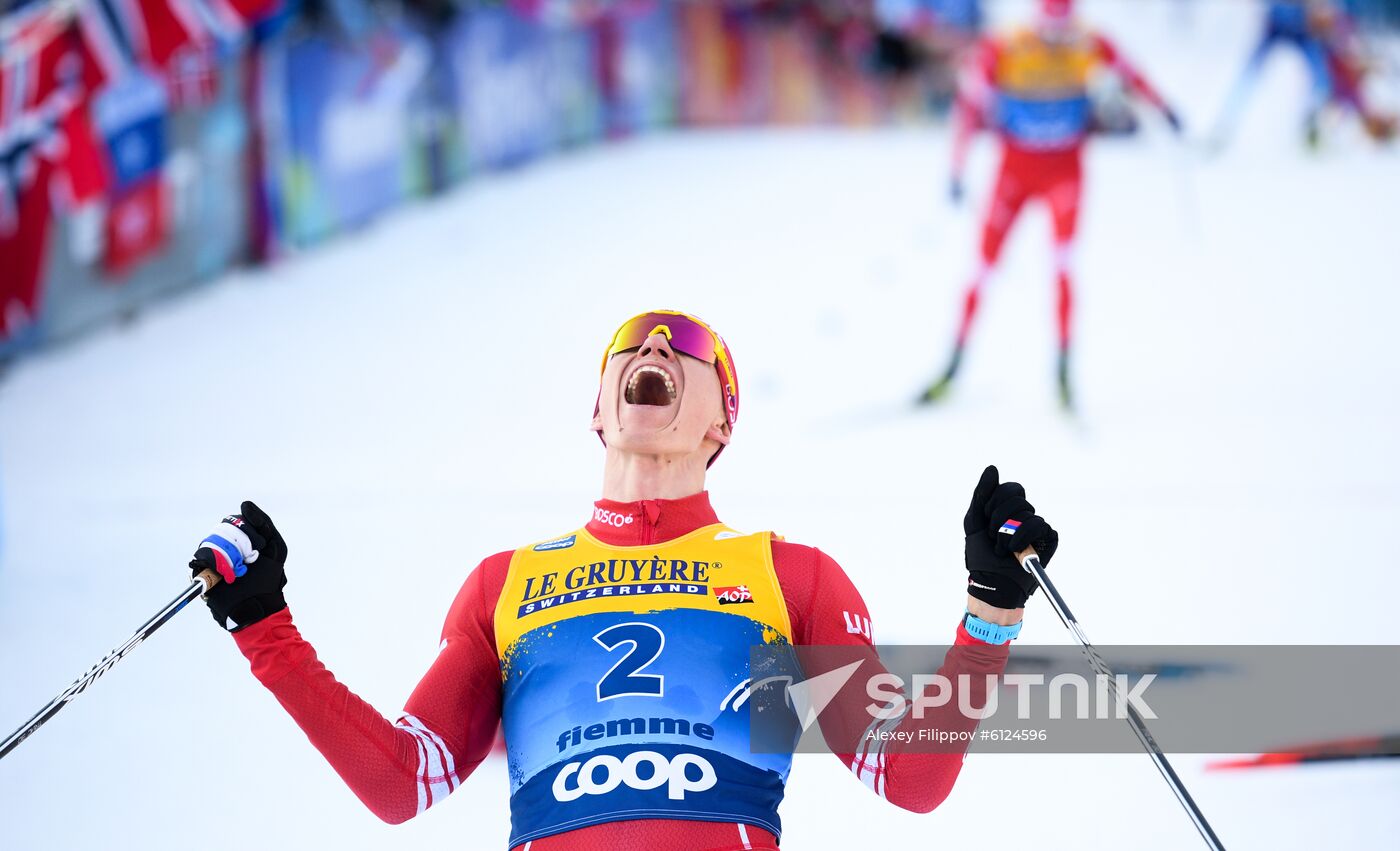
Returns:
<point x="655" y="400"/>
<point x="1055" y="20"/>
<point x="1055" y="26"/>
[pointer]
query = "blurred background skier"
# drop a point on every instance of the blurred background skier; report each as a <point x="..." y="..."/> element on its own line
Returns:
<point x="1285" y="22"/>
<point x="1350" y="63"/>
<point x="1338" y="62"/>
<point x="1032" y="88"/>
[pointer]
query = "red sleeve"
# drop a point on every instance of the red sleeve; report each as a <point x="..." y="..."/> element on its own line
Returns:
<point x="1109" y="55"/>
<point x="985" y="60"/>
<point x="826" y="609"/>
<point x="975" y="88"/>
<point x="397" y="769"/>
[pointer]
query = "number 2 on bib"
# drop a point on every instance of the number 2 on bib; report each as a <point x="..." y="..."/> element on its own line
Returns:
<point x="625" y="679"/>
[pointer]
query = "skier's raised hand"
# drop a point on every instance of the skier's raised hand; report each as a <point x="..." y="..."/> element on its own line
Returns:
<point x="248" y="553"/>
<point x="1000" y="523"/>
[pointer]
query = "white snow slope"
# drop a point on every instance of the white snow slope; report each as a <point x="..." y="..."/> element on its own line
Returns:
<point x="412" y="398"/>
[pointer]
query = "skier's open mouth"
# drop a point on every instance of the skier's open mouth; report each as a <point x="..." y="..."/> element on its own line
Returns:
<point x="650" y="385"/>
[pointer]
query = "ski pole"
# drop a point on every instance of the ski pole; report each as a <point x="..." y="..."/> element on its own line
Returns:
<point x="1188" y="198"/>
<point x="1031" y="562"/>
<point x="202" y="583"/>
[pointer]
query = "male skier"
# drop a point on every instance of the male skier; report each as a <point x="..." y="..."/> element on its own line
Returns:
<point x="614" y="654"/>
<point x="1292" y="22"/>
<point x="1349" y="63"/>
<point x="1032" y="88"/>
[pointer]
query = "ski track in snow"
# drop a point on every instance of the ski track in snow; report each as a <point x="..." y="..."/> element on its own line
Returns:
<point x="413" y="397"/>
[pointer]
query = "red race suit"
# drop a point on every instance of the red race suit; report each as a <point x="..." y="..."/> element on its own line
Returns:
<point x="400" y="768"/>
<point x="1033" y="92"/>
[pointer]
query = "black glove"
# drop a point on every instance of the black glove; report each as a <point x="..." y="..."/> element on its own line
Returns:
<point x="249" y="555"/>
<point x="999" y="524"/>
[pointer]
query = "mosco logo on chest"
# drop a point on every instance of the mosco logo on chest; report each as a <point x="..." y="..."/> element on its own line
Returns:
<point x="612" y="518"/>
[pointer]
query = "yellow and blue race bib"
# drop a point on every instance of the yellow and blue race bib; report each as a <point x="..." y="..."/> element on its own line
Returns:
<point x="626" y="674"/>
<point x="1042" y="89"/>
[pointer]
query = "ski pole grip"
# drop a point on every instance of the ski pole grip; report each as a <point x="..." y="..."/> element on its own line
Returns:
<point x="1025" y="554"/>
<point x="209" y="578"/>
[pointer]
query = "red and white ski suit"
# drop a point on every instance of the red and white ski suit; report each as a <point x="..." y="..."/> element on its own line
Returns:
<point x="449" y="723"/>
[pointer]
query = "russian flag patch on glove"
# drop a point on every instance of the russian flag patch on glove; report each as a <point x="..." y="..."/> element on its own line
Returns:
<point x="1010" y="527"/>
<point x="231" y="548"/>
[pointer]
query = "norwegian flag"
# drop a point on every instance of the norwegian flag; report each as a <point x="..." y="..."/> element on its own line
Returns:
<point x="38" y="90"/>
<point x="179" y="39"/>
<point x="48" y="152"/>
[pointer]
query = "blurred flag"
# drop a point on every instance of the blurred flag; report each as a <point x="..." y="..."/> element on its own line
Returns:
<point x="48" y="152"/>
<point x="137" y="225"/>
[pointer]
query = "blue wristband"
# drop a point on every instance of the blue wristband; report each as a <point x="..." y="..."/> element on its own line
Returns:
<point x="991" y="633"/>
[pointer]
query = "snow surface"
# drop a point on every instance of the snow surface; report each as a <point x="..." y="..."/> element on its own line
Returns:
<point x="416" y="396"/>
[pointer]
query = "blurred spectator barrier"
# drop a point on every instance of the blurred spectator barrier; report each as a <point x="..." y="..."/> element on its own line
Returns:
<point x="148" y="145"/>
